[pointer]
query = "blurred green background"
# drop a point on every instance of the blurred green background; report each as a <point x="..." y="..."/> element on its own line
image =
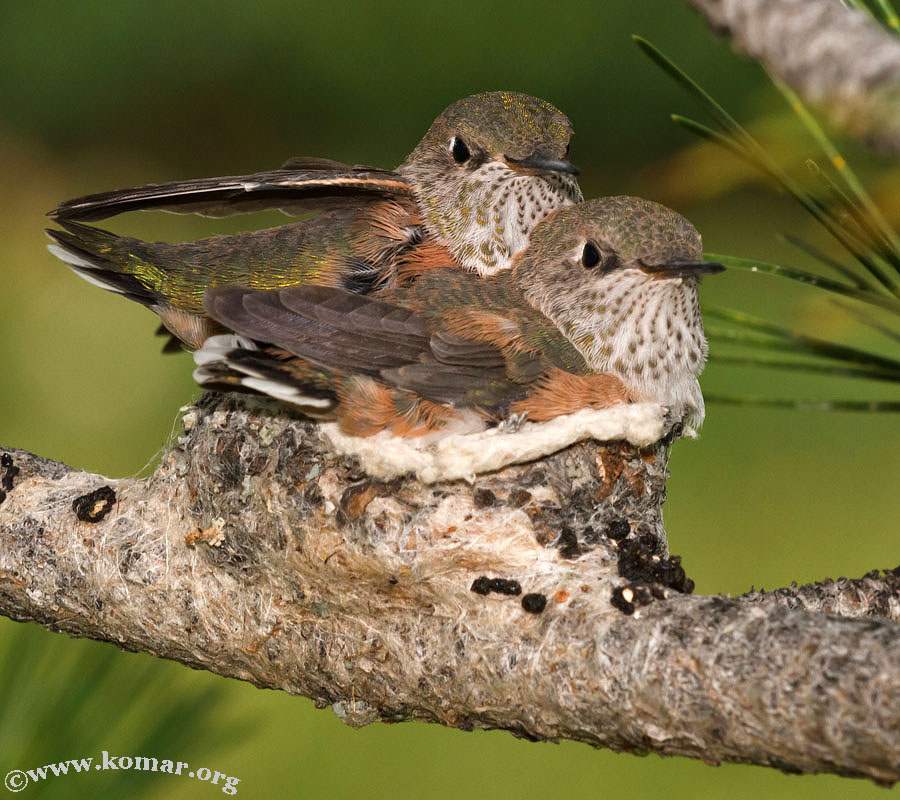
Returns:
<point x="98" y="95"/>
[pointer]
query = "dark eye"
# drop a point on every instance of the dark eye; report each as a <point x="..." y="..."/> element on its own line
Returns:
<point x="590" y="256"/>
<point x="459" y="150"/>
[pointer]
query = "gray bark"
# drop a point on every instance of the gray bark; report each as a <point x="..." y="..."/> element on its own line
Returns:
<point x="255" y="553"/>
<point x="876" y="594"/>
<point x="833" y="56"/>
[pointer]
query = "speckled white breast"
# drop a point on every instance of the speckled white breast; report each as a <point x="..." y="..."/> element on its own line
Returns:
<point x="646" y="330"/>
<point x="489" y="218"/>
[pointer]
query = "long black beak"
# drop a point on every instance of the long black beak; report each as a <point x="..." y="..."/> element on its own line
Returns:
<point x="538" y="163"/>
<point x="684" y="269"/>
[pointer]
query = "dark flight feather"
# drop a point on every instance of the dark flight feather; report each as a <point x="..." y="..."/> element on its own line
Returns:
<point x="307" y="185"/>
<point x="449" y="349"/>
<point x="324" y="325"/>
<point x="358" y="335"/>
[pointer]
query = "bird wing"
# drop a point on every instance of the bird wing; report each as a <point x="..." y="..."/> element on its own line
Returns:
<point x="302" y="184"/>
<point x="326" y="326"/>
<point x="359" y="335"/>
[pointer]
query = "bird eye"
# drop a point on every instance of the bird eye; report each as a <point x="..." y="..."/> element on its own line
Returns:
<point x="459" y="150"/>
<point x="593" y="257"/>
<point x="590" y="256"/>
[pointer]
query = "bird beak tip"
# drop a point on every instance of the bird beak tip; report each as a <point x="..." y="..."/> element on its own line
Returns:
<point x="684" y="269"/>
<point x="535" y="163"/>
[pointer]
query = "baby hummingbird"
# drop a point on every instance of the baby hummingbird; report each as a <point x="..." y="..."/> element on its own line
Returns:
<point x="489" y="168"/>
<point x="600" y="308"/>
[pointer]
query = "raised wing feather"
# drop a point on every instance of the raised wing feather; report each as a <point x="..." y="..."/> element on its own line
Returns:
<point x="301" y="185"/>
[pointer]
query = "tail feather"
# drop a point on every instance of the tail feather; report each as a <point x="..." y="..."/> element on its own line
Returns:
<point x="91" y="254"/>
<point x="230" y="362"/>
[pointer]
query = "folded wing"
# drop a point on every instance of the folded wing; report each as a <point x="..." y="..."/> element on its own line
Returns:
<point x="352" y="335"/>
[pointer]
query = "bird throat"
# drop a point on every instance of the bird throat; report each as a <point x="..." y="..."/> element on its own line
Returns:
<point x="645" y="330"/>
<point x="485" y="217"/>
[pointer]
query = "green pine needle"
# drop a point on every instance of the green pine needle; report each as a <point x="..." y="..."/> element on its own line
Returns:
<point x="867" y="234"/>
<point x="705" y="132"/>
<point x="747" y="147"/>
<point x="795" y="366"/>
<point x="879" y="370"/>
<point x="869" y="320"/>
<point x="858" y="281"/>
<point x="810" y="278"/>
<point x="851" y="217"/>
<point x="766" y="334"/>
<point x="890" y="16"/>
<point x="719" y="114"/>
<point x="863" y="406"/>
<point x="838" y="162"/>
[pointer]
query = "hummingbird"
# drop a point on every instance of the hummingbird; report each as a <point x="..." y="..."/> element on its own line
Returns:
<point x="600" y="308"/>
<point x="488" y="169"/>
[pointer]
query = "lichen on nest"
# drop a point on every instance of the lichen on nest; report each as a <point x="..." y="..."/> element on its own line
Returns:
<point x="554" y="516"/>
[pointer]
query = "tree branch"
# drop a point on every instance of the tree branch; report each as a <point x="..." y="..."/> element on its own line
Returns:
<point x="876" y="594"/>
<point x="833" y="56"/>
<point x="539" y="600"/>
